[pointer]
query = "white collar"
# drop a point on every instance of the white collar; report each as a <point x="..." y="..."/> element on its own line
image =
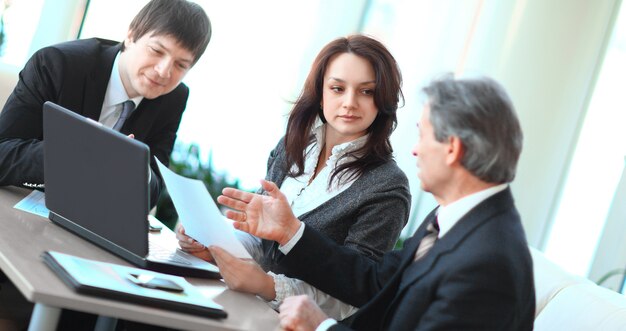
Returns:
<point x="449" y="215"/>
<point x="319" y="131"/>
<point x="115" y="93"/>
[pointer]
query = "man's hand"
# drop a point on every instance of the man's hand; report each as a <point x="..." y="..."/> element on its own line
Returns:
<point x="243" y="275"/>
<point x="265" y="216"/>
<point x="300" y="313"/>
<point x="191" y="246"/>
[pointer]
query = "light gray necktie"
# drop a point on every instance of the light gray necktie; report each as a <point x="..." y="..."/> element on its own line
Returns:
<point x="127" y="107"/>
<point x="428" y="241"/>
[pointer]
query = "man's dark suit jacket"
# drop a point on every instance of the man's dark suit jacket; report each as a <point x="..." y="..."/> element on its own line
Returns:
<point x="478" y="276"/>
<point x="75" y="75"/>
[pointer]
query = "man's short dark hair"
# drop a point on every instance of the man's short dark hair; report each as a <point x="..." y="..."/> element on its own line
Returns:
<point x="185" y="21"/>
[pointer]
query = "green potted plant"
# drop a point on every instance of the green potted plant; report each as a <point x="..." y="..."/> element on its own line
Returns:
<point x="186" y="161"/>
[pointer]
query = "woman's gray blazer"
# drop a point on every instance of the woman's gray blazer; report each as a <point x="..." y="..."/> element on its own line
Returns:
<point x="368" y="216"/>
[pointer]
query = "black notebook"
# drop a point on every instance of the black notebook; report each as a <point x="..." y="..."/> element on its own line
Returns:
<point x="112" y="281"/>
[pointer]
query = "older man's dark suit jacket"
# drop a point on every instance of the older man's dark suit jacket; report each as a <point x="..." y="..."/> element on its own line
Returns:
<point x="478" y="276"/>
<point x="75" y="75"/>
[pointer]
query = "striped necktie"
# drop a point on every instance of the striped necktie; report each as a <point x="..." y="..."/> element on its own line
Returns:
<point x="429" y="239"/>
<point x="127" y="107"/>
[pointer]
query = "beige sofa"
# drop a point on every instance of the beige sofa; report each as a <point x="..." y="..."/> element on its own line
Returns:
<point x="568" y="302"/>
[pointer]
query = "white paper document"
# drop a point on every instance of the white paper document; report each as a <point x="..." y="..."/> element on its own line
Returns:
<point x="199" y="214"/>
<point x="34" y="203"/>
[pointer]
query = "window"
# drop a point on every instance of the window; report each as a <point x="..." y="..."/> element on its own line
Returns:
<point x="596" y="167"/>
<point x="18" y="23"/>
<point x="427" y="38"/>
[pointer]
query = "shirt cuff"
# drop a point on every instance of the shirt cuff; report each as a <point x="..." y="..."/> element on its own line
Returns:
<point x="293" y="241"/>
<point x="324" y="326"/>
<point x="281" y="288"/>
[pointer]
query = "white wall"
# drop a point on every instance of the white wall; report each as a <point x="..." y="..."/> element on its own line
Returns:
<point x="547" y="54"/>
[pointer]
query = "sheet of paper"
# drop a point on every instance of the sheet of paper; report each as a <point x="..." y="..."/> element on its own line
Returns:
<point x="34" y="203"/>
<point x="199" y="214"/>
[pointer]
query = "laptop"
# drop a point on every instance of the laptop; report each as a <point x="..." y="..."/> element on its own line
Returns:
<point x="96" y="184"/>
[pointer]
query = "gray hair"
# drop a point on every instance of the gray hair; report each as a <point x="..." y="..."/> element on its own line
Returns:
<point x="480" y="113"/>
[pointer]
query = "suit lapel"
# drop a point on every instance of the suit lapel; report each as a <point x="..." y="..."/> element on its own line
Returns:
<point x="96" y="83"/>
<point x="377" y="310"/>
<point x="479" y="215"/>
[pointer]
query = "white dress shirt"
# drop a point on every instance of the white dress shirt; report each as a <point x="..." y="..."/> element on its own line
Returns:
<point x="449" y="215"/>
<point x="114" y="97"/>
<point x="304" y="196"/>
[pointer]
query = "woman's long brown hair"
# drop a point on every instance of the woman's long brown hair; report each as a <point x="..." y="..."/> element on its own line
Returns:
<point x="387" y="93"/>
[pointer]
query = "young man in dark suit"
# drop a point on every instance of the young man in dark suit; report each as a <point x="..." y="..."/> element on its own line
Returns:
<point x="467" y="267"/>
<point x="94" y="77"/>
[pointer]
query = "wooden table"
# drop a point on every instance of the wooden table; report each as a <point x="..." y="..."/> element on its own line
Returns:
<point x="25" y="236"/>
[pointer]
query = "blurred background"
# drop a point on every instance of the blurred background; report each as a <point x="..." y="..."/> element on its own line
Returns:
<point x="562" y="61"/>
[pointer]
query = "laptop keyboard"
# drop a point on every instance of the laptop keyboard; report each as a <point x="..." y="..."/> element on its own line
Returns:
<point x="161" y="253"/>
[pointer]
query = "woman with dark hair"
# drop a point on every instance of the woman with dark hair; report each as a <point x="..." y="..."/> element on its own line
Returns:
<point x="336" y="167"/>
